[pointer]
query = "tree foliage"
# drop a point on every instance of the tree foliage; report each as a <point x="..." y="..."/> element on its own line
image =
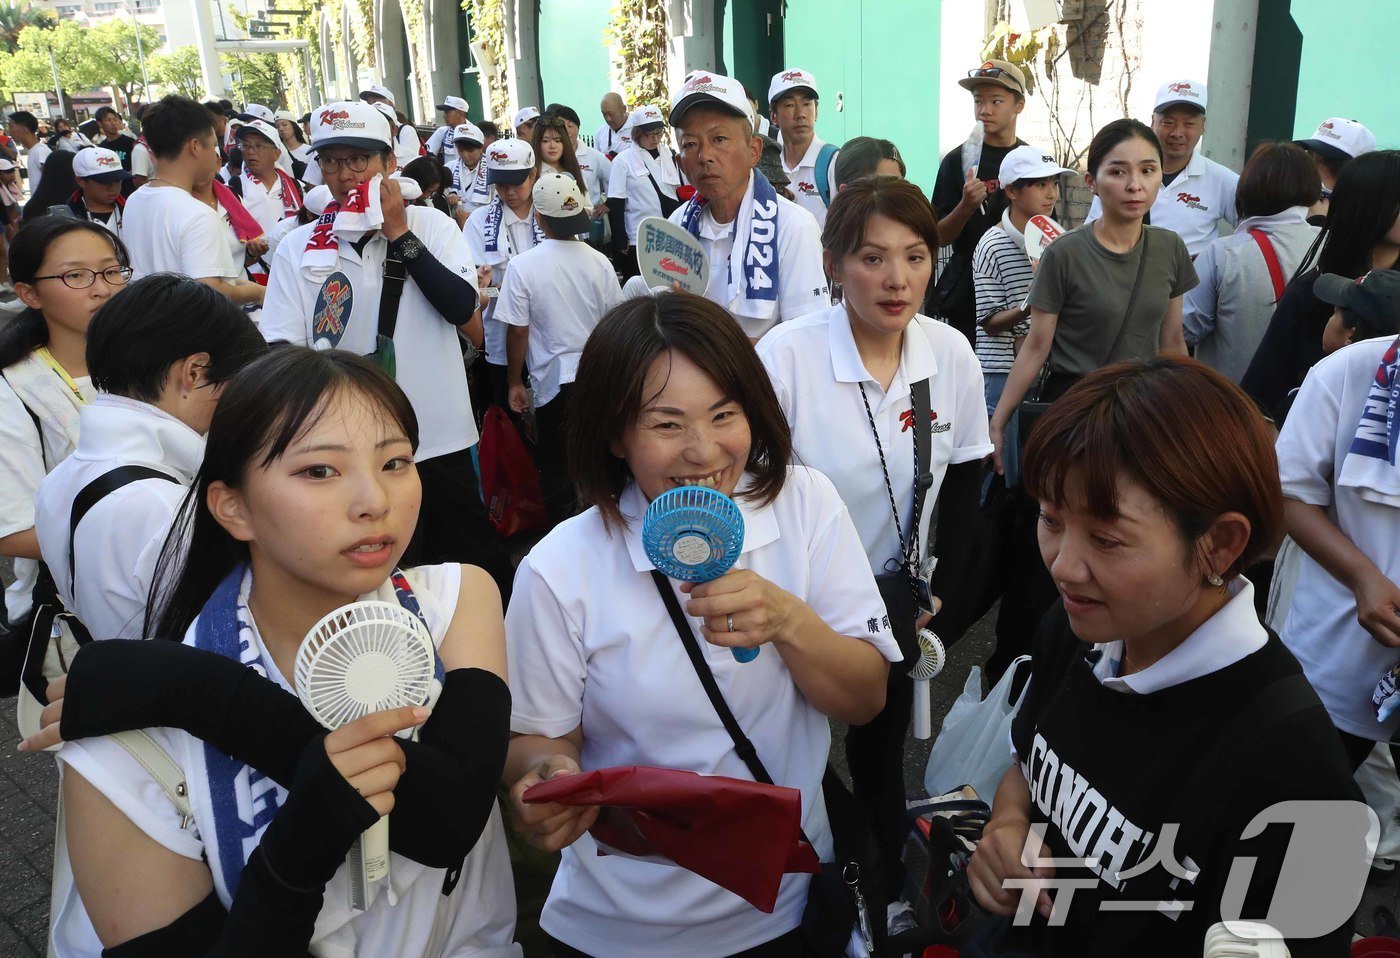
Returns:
<point x="88" y="57"/>
<point x="257" y="77"/>
<point x="15" y="17"/>
<point x="180" y="71"/>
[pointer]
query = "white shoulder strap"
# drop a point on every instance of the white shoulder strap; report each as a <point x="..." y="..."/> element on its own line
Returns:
<point x="162" y="768"/>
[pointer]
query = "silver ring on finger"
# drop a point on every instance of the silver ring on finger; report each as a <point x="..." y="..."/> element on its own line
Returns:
<point x="729" y="622"/>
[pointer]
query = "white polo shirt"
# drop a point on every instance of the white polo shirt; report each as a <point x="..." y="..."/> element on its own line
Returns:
<point x="802" y="286"/>
<point x="560" y="289"/>
<point x="264" y="200"/>
<point x="1194" y="203"/>
<point x="596" y="169"/>
<point x="516" y="237"/>
<point x="804" y="179"/>
<point x="817" y="373"/>
<point x="306" y="310"/>
<point x="121" y="537"/>
<point x="168" y="230"/>
<point x="607" y="140"/>
<point x="407" y="146"/>
<point x="591" y="646"/>
<point x="631" y="180"/>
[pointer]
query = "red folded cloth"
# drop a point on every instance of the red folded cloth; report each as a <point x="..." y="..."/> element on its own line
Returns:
<point x="743" y="836"/>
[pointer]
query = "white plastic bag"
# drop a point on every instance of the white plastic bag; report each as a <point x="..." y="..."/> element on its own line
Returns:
<point x="974" y="746"/>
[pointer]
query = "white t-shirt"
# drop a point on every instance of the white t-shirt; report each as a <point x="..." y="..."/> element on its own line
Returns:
<point x="1194" y="203"/>
<point x="38" y="153"/>
<point x="597" y="170"/>
<point x="591" y="646"/>
<point x="479" y="917"/>
<point x="817" y="373"/>
<point x="141" y="162"/>
<point x="1342" y="661"/>
<point x="631" y="180"/>
<point x="607" y="140"/>
<point x="802" y="286"/>
<point x="804" y="179"/>
<point x="24" y="463"/>
<point x="121" y="537"/>
<point x="168" y="230"/>
<point x="309" y="310"/>
<point x="560" y="289"/>
<point x="407" y="146"/>
<point x="516" y="236"/>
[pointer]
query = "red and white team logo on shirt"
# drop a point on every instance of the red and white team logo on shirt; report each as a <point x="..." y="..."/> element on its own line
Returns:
<point x="1190" y="200"/>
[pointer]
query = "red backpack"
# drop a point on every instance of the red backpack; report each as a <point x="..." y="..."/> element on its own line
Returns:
<point x="510" y="482"/>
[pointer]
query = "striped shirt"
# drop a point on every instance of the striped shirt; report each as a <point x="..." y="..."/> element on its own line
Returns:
<point x="1001" y="274"/>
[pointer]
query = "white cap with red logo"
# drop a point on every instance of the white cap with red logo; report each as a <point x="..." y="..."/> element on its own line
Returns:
<point x="1338" y="138"/>
<point x="509" y="161"/>
<point x="468" y="133"/>
<point x="647" y="119"/>
<point x="96" y="163"/>
<point x="349" y="123"/>
<point x="701" y="87"/>
<point x="788" y="80"/>
<point x="1180" y="93"/>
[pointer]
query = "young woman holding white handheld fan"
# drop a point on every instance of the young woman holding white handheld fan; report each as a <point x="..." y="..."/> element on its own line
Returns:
<point x="306" y="500"/>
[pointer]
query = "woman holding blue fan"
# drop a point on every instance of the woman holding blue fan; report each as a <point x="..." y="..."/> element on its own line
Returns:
<point x="669" y="395"/>
<point x="306" y="500"/>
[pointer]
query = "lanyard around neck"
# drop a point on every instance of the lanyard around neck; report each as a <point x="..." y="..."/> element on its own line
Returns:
<point x="43" y="353"/>
<point x="908" y="550"/>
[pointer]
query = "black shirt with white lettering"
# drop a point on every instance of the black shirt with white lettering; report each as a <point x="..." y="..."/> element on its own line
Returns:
<point x="122" y="145"/>
<point x="1106" y="768"/>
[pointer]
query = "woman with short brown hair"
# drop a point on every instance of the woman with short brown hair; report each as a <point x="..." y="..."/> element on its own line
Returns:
<point x="1162" y="718"/>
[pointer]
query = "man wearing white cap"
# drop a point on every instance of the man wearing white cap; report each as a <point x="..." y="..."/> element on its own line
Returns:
<point x="765" y="251"/>
<point x="371" y="267"/>
<point x="808" y="162"/>
<point x="499" y="232"/>
<point x="524" y="122"/>
<point x="267" y="191"/>
<point x="1335" y="143"/>
<point x="643" y="182"/>
<point x="256" y="111"/>
<point x="454" y="114"/>
<point x="1197" y="192"/>
<point x="407" y="146"/>
<point x="552" y="297"/>
<point x="100" y="179"/>
<point x="469" y="143"/>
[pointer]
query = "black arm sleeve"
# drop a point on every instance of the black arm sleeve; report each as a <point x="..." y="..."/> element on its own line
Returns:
<point x="617" y="219"/>
<point x="958" y="540"/>
<point x="448" y="789"/>
<point x="282" y="887"/>
<point x="451" y="295"/>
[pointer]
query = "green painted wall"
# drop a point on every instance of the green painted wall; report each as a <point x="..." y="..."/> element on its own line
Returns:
<point x="882" y="57"/>
<point x="1346" y="71"/>
<point x="574" y="56"/>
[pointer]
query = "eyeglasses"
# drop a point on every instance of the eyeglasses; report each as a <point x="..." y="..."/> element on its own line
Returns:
<point x="995" y="73"/>
<point x="83" y="278"/>
<point x="357" y="163"/>
<point x="251" y="145"/>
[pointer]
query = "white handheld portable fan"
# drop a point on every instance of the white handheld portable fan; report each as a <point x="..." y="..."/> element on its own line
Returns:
<point x="932" y="658"/>
<point x="1244" y="939"/>
<point x="361" y="658"/>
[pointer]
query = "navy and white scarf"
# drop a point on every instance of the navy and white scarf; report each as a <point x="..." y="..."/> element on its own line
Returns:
<point x="753" y="262"/>
<point x="1369" y="465"/>
<point x="243" y="801"/>
<point x="491" y="230"/>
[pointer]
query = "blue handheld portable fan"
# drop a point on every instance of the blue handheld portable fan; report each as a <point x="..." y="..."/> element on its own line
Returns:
<point x="695" y="534"/>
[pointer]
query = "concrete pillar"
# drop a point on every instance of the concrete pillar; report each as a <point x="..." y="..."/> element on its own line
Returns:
<point x="209" y="65"/>
<point x="390" y="68"/>
<point x="693" y="40"/>
<point x="1231" y="70"/>
<point x="522" y="55"/>
<point x="442" y="23"/>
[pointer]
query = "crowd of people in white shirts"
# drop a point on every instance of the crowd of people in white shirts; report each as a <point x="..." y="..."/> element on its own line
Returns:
<point x="210" y="447"/>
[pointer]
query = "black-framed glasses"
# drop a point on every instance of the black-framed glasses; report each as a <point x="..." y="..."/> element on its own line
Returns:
<point x="355" y="163"/>
<point x="995" y="73"/>
<point x="83" y="278"/>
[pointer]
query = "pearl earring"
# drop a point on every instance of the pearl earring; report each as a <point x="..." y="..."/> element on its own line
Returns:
<point x="1215" y="580"/>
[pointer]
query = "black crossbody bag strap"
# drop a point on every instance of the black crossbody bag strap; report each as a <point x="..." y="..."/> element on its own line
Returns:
<point x="923" y="438"/>
<point x="93" y="493"/>
<point x="395" y="275"/>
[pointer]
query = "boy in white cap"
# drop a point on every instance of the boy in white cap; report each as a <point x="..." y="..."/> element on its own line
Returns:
<point x="454" y="114"/>
<point x="552" y="297"/>
<point x="1197" y="192"/>
<point x="266" y="190"/>
<point x="808" y="162"/>
<point x="1335" y="143"/>
<point x="372" y="267"/>
<point x="765" y="251"/>
<point x="497" y="233"/>
<point x="407" y="146"/>
<point x="100" y="179"/>
<point x="643" y="182"/>
<point x="524" y="122"/>
<point x="469" y="142"/>
<point x="1001" y="270"/>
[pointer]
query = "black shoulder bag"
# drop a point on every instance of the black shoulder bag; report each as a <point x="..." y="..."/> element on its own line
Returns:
<point x="836" y="900"/>
<point x="668" y="204"/>
<point x="902" y="588"/>
<point x="1036" y="402"/>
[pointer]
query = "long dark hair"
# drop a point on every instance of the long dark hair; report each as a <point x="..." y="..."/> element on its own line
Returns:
<point x="56" y="188"/>
<point x="1365" y="205"/>
<point x="260" y="413"/>
<point x="29" y="330"/>
<point x="568" y="160"/>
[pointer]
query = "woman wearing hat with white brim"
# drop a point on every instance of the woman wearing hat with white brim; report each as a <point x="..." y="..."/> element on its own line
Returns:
<point x="643" y="183"/>
<point x="1335" y="143"/>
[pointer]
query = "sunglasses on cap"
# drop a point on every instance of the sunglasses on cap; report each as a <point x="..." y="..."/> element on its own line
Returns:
<point x="994" y="73"/>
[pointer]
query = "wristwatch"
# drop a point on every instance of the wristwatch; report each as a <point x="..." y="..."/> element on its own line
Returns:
<point x="408" y="248"/>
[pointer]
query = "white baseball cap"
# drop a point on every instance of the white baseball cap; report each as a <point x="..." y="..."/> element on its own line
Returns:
<point x="468" y="133"/>
<point x="5" y="165"/>
<point x="389" y="112"/>
<point x="453" y="103"/>
<point x="705" y="87"/>
<point x="97" y="163"/>
<point x="260" y="127"/>
<point x="1180" y="93"/>
<point x="1029" y="163"/>
<point x="380" y="91"/>
<point x="285" y="115"/>
<point x="260" y="112"/>
<point x="557" y="198"/>
<point x="1338" y="138"/>
<point x="525" y="116"/>
<point x="647" y="119"/>
<point x="510" y="161"/>
<point x="317" y="199"/>
<point x="788" y="80"/>
<point x="350" y="123"/>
